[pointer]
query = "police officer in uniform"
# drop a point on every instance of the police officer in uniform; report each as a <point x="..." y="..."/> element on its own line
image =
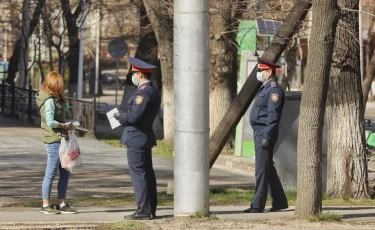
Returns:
<point x="264" y="119"/>
<point x="139" y="138"/>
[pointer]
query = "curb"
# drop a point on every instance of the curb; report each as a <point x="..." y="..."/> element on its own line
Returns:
<point x="240" y="165"/>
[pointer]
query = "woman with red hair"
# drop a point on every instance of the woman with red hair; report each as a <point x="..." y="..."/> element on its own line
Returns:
<point x="53" y="104"/>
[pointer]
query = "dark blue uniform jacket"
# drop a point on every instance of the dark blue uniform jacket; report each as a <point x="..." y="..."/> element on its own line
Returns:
<point x="268" y="105"/>
<point x="143" y="106"/>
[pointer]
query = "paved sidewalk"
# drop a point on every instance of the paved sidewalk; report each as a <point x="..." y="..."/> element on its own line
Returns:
<point x="103" y="170"/>
<point x="89" y="217"/>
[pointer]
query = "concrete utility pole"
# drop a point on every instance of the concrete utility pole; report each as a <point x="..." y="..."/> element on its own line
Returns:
<point x="81" y="44"/>
<point x="24" y="56"/>
<point x="191" y="144"/>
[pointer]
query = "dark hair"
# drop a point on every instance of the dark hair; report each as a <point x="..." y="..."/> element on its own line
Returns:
<point x="147" y="75"/>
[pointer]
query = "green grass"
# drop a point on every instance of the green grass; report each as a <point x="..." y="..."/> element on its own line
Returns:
<point x="162" y="149"/>
<point x="325" y="216"/>
<point x="109" y="139"/>
<point x="218" y="196"/>
<point x="133" y="225"/>
<point x="199" y="214"/>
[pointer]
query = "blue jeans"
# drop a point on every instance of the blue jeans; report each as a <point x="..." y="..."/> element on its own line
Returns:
<point x="53" y="163"/>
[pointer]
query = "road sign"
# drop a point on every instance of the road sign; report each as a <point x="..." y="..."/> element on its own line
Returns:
<point x="117" y="48"/>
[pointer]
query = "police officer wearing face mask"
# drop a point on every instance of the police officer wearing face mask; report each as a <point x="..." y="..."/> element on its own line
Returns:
<point x="139" y="138"/>
<point x="264" y="119"/>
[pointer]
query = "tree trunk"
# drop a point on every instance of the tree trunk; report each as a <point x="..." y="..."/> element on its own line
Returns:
<point x="73" y="55"/>
<point x="243" y="100"/>
<point x="347" y="165"/>
<point x="370" y="72"/>
<point x="370" y="62"/>
<point x="166" y="61"/>
<point x="311" y="119"/>
<point x="163" y="28"/>
<point x="50" y="57"/>
<point x="15" y="59"/>
<point x="221" y="61"/>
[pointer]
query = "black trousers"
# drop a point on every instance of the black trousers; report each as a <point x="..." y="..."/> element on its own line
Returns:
<point x="143" y="178"/>
<point x="266" y="175"/>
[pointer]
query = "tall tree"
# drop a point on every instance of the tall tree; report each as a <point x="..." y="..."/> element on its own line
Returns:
<point x="346" y="164"/>
<point x="311" y="119"/>
<point x="160" y="17"/>
<point x="369" y="56"/>
<point x="15" y="59"/>
<point x="224" y="18"/>
<point x="71" y="18"/>
<point x="243" y="100"/>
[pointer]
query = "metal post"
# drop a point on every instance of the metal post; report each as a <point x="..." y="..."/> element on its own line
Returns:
<point x="93" y="117"/>
<point x="191" y="144"/>
<point x="3" y="96"/>
<point x="116" y="78"/>
<point x="5" y="44"/>
<point x="13" y="101"/>
<point x="81" y="44"/>
<point x="24" y="44"/>
<point x="30" y="103"/>
<point x="75" y="109"/>
<point x="97" y="53"/>
<point x="361" y="39"/>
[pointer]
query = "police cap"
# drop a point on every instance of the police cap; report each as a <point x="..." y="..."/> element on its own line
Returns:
<point x="141" y="66"/>
<point x="264" y="63"/>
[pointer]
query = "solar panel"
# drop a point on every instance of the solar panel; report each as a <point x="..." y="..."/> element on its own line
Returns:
<point x="268" y="27"/>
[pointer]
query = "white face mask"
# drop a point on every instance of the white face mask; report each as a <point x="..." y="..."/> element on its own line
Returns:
<point x="134" y="81"/>
<point x="260" y="77"/>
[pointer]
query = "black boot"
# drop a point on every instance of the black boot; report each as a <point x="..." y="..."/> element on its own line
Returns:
<point x="138" y="216"/>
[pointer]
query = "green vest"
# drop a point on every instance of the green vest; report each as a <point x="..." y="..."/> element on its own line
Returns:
<point x="51" y="135"/>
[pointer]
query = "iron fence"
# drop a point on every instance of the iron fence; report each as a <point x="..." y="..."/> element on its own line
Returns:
<point x="22" y="102"/>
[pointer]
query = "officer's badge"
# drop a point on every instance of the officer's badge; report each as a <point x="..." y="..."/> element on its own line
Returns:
<point x="143" y="87"/>
<point x="138" y="99"/>
<point x="275" y="97"/>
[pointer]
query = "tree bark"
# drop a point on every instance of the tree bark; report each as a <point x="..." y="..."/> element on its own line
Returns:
<point x="162" y="24"/>
<point x="73" y="54"/>
<point x="15" y="59"/>
<point x="243" y="100"/>
<point x="370" y="72"/>
<point x="311" y="118"/>
<point x="221" y="61"/>
<point x="347" y="164"/>
<point x="369" y="57"/>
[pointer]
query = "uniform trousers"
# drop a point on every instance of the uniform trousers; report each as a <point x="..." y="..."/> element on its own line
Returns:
<point x="143" y="179"/>
<point x="266" y="174"/>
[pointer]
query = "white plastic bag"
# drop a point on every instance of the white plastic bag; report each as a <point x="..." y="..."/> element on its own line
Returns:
<point x="70" y="154"/>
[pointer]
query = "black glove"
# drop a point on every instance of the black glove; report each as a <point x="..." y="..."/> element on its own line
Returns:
<point x="116" y="115"/>
<point x="264" y="143"/>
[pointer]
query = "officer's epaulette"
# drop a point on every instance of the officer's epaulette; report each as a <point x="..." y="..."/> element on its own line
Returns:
<point x="273" y="84"/>
<point x="143" y="87"/>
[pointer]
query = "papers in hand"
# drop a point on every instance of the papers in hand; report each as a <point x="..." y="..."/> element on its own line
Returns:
<point x="112" y="120"/>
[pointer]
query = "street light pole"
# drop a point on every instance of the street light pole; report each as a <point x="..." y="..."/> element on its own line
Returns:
<point x="97" y="52"/>
<point x="5" y="44"/>
<point x="81" y="44"/>
<point x="191" y="75"/>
